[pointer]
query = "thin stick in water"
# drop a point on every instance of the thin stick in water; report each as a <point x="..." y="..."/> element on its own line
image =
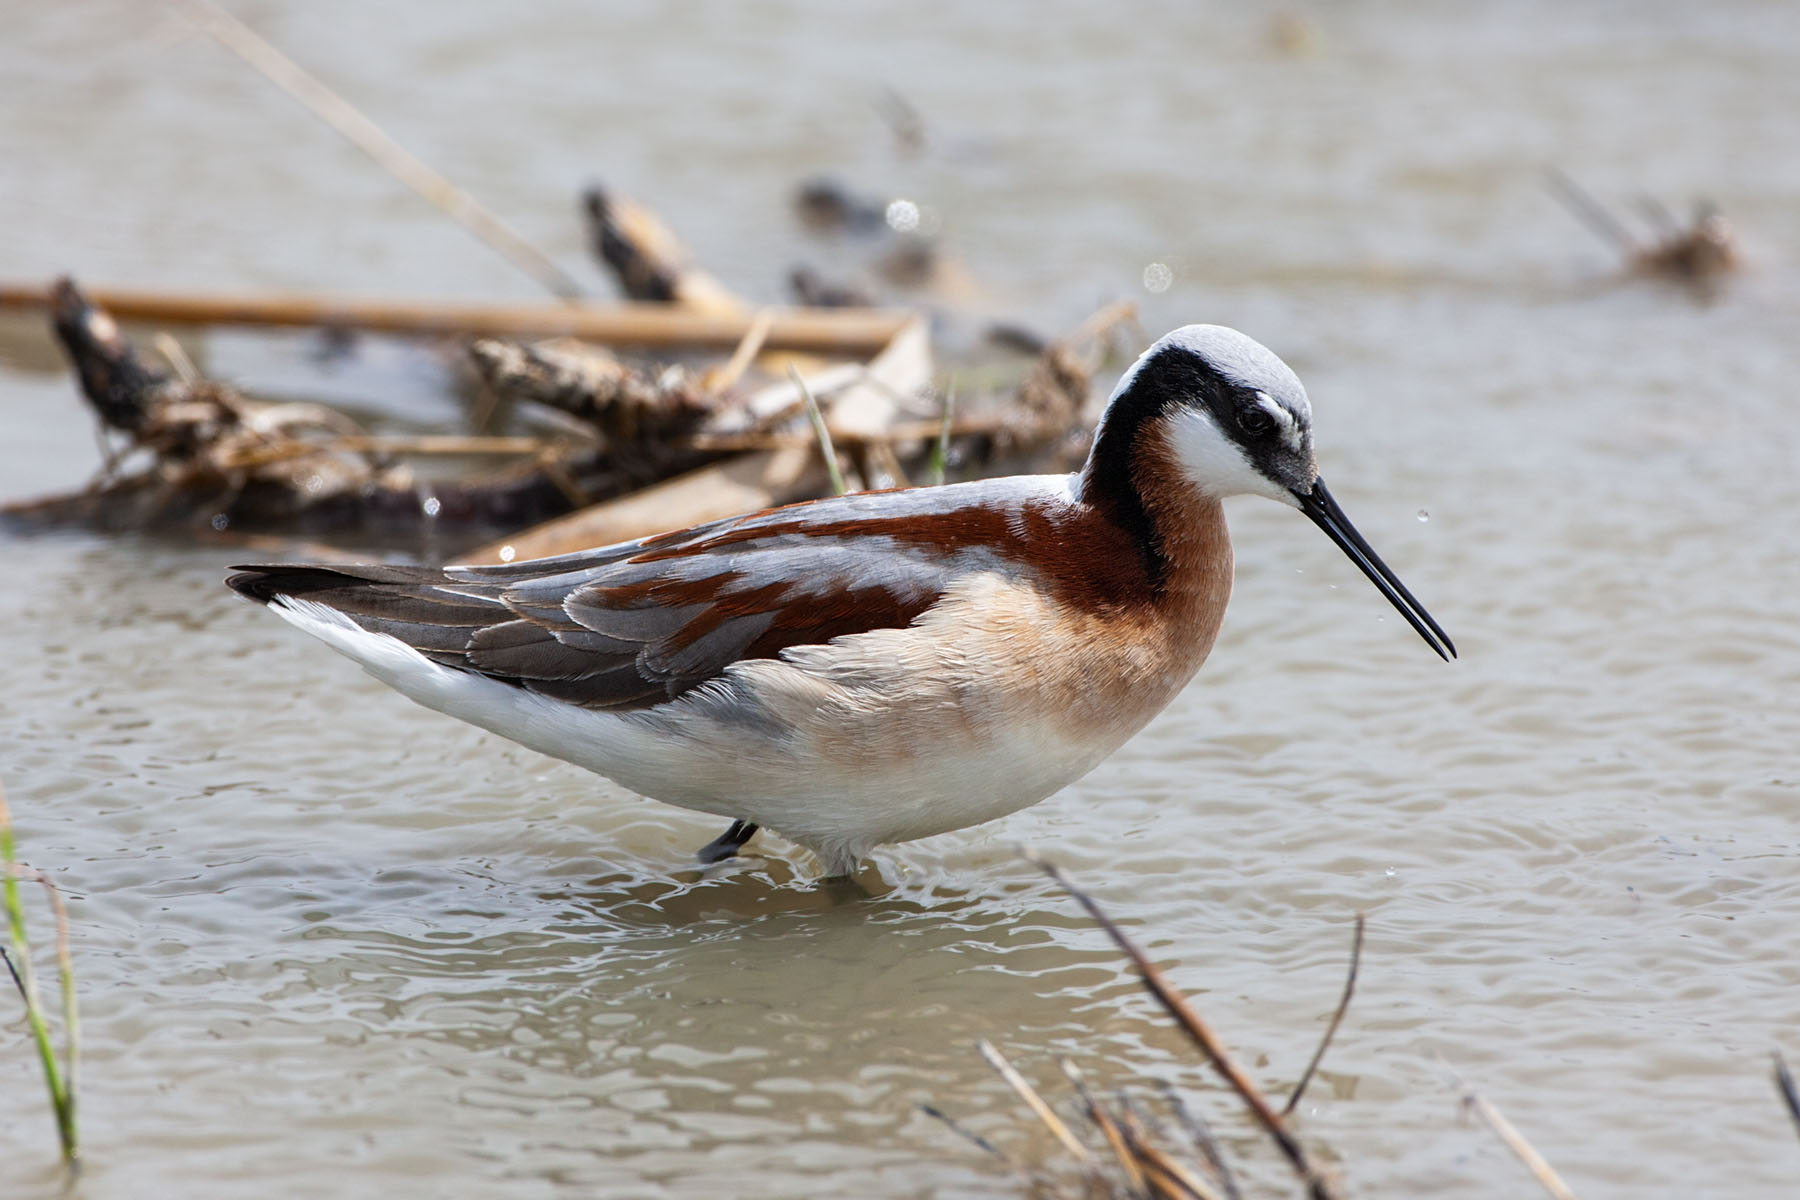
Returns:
<point x="1590" y="212"/>
<point x="962" y="1131"/>
<point x="1356" y="945"/>
<point x="369" y="137"/>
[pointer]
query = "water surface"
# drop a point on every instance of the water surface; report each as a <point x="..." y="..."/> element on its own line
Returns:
<point x="329" y="941"/>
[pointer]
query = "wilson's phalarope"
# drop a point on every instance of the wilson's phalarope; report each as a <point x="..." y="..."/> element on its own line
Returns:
<point x="877" y="667"/>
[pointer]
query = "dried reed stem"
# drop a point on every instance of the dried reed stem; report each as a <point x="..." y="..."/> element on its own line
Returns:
<point x="1109" y="1129"/>
<point x="1202" y="1035"/>
<point x="838" y="487"/>
<point x="1204" y="1142"/>
<point x="1540" y="1168"/>
<point x="1032" y="1100"/>
<point x="900" y="431"/>
<point x="748" y="347"/>
<point x="1162" y="1173"/>
<point x="1356" y="945"/>
<point x="373" y="141"/>
<point x="828" y="331"/>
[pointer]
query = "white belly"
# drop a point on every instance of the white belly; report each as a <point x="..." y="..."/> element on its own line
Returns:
<point x="873" y="738"/>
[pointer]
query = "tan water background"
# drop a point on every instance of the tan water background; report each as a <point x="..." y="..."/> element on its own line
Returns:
<point x="333" y="944"/>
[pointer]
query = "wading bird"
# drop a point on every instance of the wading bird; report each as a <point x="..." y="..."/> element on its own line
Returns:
<point x="878" y="667"/>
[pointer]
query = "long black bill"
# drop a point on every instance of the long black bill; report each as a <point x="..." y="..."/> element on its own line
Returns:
<point x="1326" y="514"/>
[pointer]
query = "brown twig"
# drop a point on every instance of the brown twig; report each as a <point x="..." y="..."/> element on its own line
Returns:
<point x="1202" y="1035"/>
<point x="1165" y="1176"/>
<point x="1204" y="1142"/>
<point x="1356" y="945"/>
<point x="1109" y="1129"/>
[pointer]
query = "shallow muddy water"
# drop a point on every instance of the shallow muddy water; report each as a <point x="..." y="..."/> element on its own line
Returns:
<point x="329" y="942"/>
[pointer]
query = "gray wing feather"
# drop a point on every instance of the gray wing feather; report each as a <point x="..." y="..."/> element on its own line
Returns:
<point x="636" y="624"/>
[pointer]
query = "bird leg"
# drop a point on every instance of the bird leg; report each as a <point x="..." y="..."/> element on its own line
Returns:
<point x="727" y="844"/>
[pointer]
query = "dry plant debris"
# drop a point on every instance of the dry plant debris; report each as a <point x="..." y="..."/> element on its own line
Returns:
<point x="207" y="450"/>
<point x="1133" y="1158"/>
<point x="1697" y="254"/>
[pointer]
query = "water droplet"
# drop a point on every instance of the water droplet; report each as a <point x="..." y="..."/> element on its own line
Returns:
<point x="432" y="506"/>
<point x="507" y="554"/>
<point x="220" y="521"/>
<point x="1424" y="515"/>
<point x="903" y="216"/>
<point x="1391" y="873"/>
<point x="1158" y="277"/>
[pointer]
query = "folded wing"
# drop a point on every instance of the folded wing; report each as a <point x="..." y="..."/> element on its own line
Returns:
<point x="635" y="625"/>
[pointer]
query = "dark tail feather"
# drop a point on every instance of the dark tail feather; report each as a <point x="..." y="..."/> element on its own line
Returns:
<point x="264" y="582"/>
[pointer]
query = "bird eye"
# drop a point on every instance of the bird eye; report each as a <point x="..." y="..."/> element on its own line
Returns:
<point x="1255" y="421"/>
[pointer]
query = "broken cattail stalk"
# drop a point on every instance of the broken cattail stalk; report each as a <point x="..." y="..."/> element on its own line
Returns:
<point x="843" y="331"/>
